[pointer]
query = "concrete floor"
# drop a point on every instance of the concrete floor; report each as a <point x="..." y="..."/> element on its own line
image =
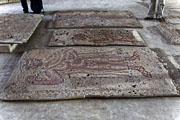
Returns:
<point x="117" y="109"/>
<point x="167" y="108"/>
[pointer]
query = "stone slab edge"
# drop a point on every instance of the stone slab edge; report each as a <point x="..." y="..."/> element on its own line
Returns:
<point x="170" y="66"/>
<point x="135" y="33"/>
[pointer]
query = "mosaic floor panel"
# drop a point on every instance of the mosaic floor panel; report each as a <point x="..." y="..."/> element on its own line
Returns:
<point x="88" y="19"/>
<point x="65" y="37"/>
<point x="171" y="33"/>
<point x="70" y="73"/>
<point x="21" y="31"/>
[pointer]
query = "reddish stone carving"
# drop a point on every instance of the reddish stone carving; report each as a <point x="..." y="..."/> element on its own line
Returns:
<point x="75" y="72"/>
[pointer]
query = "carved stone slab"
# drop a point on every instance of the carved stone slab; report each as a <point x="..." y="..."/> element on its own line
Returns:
<point x="18" y="28"/>
<point x="69" y="73"/>
<point x="65" y="37"/>
<point x="88" y="19"/>
<point x="171" y="33"/>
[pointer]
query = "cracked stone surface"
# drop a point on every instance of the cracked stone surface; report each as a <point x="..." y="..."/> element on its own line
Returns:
<point x="170" y="32"/>
<point x="83" y="19"/>
<point x="69" y="73"/>
<point x="21" y="30"/>
<point x="65" y="37"/>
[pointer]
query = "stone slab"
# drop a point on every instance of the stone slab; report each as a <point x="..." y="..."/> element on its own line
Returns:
<point x="177" y="58"/>
<point x="91" y="19"/>
<point x="172" y="19"/>
<point x="8" y="1"/>
<point x="22" y="29"/>
<point x="171" y="33"/>
<point x="69" y="37"/>
<point x="70" y="73"/>
<point x="172" y="16"/>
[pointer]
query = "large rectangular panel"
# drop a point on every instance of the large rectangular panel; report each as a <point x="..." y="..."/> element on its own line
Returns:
<point x="68" y="37"/>
<point x="90" y="19"/>
<point x="18" y="28"/>
<point x="171" y="33"/>
<point x="69" y="73"/>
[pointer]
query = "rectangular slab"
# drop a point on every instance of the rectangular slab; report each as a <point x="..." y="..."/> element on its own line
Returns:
<point x="21" y="30"/>
<point x="88" y="19"/>
<point x="69" y="73"/>
<point x="68" y="37"/>
<point x="171" y="33"/>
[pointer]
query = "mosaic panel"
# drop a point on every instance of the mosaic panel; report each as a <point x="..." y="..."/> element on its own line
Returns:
<point x="17" y="28"/>
<point x="69" y="73"/>
<point x="171" y="33"/>
<point x="87" y="19"/>
<point x="65" y="37"/>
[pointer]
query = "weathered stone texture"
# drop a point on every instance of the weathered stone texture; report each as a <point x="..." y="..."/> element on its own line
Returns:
<point x="172" y="19"/>
<point x="171" y="33"/>
<point x="177" y="58"/>
<point x="66" y="37"/>
<point x="88" y="19"/>
<point x="18" y="28"/>
<point x="69" y="73"/>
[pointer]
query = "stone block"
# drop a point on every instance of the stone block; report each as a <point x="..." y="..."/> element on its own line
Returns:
<point x="70" y="73"/>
